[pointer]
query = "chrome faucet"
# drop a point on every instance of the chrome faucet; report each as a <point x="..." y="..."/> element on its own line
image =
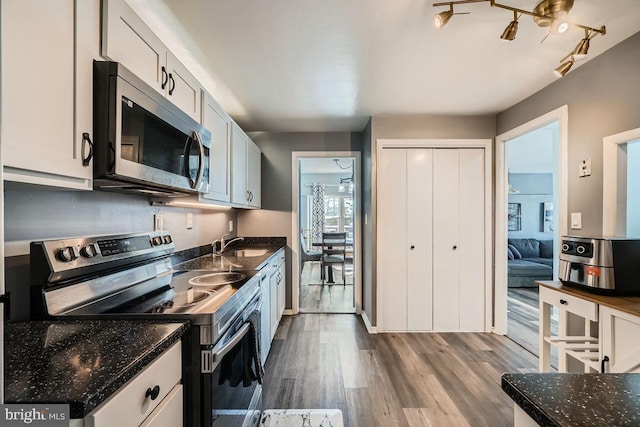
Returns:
<point x="224" y="243"/>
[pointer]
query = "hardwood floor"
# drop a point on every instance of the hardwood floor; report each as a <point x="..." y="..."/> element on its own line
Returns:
<point x="523" y="317"/>
<point x="388" y="380"/>
<point x="327" y="298"/>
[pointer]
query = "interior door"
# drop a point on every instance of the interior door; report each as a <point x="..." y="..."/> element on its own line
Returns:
<point x="419" y="248"/>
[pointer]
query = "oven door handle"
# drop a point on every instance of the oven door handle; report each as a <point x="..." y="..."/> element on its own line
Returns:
<point x="211" y="358"/>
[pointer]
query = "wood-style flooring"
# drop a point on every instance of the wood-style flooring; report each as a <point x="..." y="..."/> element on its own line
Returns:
<point x="327" y="298"/>
<point x="388" y="380"/>
<point x="523" y="317"/>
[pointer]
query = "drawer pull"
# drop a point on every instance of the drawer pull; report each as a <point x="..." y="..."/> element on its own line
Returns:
<point x="603" y="364"/>
<point x="563" y="302"/>
<point x="153" y="393"/>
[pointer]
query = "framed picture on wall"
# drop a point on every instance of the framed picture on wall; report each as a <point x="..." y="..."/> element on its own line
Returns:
<point x="514" y="217"/>
<point x="547" y="217"/>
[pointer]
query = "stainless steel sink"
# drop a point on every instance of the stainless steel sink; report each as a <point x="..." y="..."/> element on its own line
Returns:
<point x="213" y="279"/>
<point x="246" y="252"/>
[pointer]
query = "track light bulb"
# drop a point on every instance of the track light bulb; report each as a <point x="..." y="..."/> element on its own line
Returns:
<point x="582" y="49"/>
<point x="564" y="68"/>
<point x="441" y="19"/>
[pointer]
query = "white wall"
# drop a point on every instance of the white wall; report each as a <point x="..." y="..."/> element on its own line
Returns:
<point x="633" y="188"/>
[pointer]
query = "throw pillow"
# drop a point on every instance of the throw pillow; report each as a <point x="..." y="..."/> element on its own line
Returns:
<point x="509" y="254"/>
<point x="516" y="253"/>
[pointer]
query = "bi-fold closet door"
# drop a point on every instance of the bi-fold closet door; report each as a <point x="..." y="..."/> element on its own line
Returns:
<point x="431" y="239"/>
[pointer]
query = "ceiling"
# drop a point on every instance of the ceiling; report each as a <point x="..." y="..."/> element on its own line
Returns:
<point x="326" y="165"/>
<point x="291" y="65"/>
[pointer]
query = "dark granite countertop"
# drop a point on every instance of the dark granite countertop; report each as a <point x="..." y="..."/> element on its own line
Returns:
<point x="553" y="399"/>
<point x="80" y="363"/>
<point x="202" y="258"/>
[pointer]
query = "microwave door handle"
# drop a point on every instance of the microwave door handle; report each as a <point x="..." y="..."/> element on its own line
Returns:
<point x="187" y="151"/>
<point x="201" y="159"/>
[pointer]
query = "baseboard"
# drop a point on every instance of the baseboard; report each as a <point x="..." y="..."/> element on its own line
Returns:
<point x="367" y="323"/>
<point x="287" y="312"/>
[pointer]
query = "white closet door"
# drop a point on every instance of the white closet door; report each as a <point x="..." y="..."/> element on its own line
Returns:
<point x="392" y="238"/>
<point x="419" y="242"/>
<point x="446" y="262"/>
<point x="471" y="239"/>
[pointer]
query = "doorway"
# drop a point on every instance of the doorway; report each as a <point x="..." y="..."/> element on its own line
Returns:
<point x="531" y="211"/>
<point x="326" y="200"/>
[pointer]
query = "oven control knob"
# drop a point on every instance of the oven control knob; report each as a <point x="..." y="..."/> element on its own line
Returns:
<point x="89" y="251"/>
<point x="156" y="241"/>
<point x="68" y="254"/>
<point x="167" y="239"/>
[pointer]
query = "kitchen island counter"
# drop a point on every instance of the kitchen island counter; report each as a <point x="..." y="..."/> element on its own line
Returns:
<point x="80" y="363"/>
<point x="593" y="400"/>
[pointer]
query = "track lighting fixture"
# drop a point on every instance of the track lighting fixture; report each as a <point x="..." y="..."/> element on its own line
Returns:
<point x="547" y="13"/>
<point x="509" y="33"/>
<point x="564" y="67"/>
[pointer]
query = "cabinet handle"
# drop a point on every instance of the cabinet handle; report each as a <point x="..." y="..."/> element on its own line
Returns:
<point x="604" y="360"/>
<point x="86" y="138"/>
<point x="152" y="393"/>
<point x="251" y="196"/>
<point x="172" y="85"/>
<point x="247" y="196"/>
<point x="165" y="77"/>
<point x="563" y="302"/>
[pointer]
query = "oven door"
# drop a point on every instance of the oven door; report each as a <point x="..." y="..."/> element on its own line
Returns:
<point x="233" y="396"/>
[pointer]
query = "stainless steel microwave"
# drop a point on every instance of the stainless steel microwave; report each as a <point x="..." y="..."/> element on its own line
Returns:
<point x="142" y="142"/>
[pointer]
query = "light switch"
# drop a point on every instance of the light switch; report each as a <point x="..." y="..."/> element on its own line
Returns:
<point x="576" y="220"/>
<point x="585" y="168"/>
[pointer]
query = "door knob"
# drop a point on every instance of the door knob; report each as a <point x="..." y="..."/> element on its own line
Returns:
<point x="412" y="247"/>
<point x="455" y="247"/>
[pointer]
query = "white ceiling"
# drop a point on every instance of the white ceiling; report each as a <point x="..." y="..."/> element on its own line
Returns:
<point x="322" y="165"/>
<point x="286" y="65"/>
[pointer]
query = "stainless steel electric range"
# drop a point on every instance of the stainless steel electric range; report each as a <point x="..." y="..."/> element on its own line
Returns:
<point x="130" y="276"/>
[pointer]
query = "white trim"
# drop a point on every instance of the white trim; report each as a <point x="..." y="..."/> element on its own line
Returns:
<point x="295" y="232"/>
<point x="367" y="323"/>
<point x="287" y="312"/>
<point x="561" y="115"/>
<point x="487" y="145"/>
<point x="613" y="154"/>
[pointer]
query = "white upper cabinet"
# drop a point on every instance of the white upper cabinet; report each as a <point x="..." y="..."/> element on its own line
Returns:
<point x="245" y="158"/>
<point x="219" y="124"/>
<point x="128" y="40"/>
<point x="47" y="90"/>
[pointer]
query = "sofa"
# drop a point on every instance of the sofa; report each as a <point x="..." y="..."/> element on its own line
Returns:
<point x="529" y="260"/>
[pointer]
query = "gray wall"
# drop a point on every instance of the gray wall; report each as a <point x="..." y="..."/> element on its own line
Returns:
<point x="274" y="219"/>
<point x="39" y="213"/>
<point x="407" y="127"/>
<point x="603" y="99"/>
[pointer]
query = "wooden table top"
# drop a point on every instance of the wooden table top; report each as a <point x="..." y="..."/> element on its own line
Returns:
<point x="630" y="305"/>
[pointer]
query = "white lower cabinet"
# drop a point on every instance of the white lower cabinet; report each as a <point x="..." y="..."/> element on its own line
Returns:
<point x="265" y="318"/>
<point x="273" y="301"/>
<point x="282" y="285"/>
<point x="620" y="344"/>
<point x="152" y="398"/>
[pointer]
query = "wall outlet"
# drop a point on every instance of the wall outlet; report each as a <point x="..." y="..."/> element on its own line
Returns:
<point x="189" y="221"/>
<point x="158" y="222"/>
<point x="576" y="220"/>
<point x="585" y="168"/>
<point x="230" y="225"/>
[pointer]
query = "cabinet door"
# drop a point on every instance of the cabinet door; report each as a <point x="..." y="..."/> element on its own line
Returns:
<point x="183" y="89"/>
<point x="38" y="70"/>
<point x="218" y="123"/>
<point x="265" y="319"/>
<point x="253" y="173"/>
<point x="239" y="191"/>
<point x="282" y="289"/>
<point x="169" y="412"/>
<point x="619" y="339"/>
<point x="392" y="238"/>
<point x="273" y="303"/>
<point x="128" y="40"/>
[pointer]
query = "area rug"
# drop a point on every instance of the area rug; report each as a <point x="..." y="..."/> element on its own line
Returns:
<point x="301" y="418"/>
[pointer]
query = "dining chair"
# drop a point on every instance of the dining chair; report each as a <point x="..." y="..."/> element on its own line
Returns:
<point x="333" y="253"/>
